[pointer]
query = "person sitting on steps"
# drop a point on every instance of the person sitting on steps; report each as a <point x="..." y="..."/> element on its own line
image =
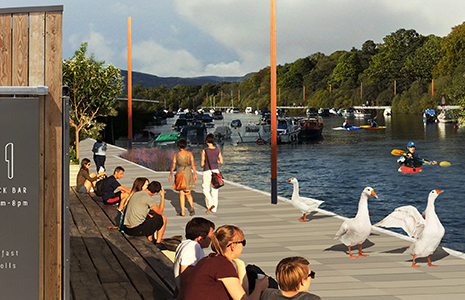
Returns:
<point x="143" y="216"/>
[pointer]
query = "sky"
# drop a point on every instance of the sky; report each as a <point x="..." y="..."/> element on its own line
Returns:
<point x="190" y="38"/>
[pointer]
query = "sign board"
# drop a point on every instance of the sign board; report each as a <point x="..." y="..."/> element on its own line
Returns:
<point x="19" y="198"/>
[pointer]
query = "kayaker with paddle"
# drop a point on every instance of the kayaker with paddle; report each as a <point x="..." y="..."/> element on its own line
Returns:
<point x="346" y="124"/>
<point x="373" y="123"/>
<point x="412" y="160"/>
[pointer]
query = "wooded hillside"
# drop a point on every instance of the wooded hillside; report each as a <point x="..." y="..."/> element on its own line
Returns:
<point x="401" y="71"/>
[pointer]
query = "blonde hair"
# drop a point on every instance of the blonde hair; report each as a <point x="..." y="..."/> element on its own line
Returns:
<point x="222" y="237"/>
<point x="290" y="271"/>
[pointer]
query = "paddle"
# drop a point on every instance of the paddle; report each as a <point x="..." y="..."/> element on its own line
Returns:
<point x="398" y="152"/>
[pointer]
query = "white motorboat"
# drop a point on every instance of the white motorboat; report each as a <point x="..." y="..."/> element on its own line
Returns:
<point x="254" y="133"/>
<point x="362" y="113"/>
<point x="447" y="116"/>
<point x="288" y="131"/>
<point x="348" y="113"/>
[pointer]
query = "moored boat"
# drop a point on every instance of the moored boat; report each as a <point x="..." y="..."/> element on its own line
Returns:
<point x="348" y="113"/>
<point x="362" y="113"/>
<point x="447" y="116"/>
<point x="310" y="128"/>
<point x="429" y="116"/>
<point x="254" y="133"/>
<point x="287" y="131"/>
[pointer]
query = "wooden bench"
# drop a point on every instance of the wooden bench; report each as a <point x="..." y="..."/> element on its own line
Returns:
<point x="107" y="264"/>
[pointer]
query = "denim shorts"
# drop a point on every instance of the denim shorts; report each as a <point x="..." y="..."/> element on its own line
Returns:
<point x="83" y="190"/>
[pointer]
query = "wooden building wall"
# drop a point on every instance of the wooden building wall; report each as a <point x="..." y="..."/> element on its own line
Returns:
<point x="31" y="55"/>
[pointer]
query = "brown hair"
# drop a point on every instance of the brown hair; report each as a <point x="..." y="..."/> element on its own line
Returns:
<point x="136" y="187"/>
<point x="138" y="184"/>
<point x="182" y="143"/>
<point x="222" y="237"/>
<point x="84" y="162"/>
<point x="210" y="138"/>
<point x="290" y="271"/>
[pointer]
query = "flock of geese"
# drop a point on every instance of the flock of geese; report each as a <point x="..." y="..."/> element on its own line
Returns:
<point x="426" y="229"/>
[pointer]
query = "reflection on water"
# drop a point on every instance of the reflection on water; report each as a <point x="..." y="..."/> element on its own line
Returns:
<point x="339" y="167"/>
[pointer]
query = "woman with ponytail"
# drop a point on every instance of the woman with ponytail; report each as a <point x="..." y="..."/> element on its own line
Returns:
<point x="215" y="278"/>
<point x="141" y="183"/>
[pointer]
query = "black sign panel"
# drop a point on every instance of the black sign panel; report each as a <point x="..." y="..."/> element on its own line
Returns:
<point x="19" y="198"/>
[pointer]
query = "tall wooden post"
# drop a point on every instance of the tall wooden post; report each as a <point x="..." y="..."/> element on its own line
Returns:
<point x="274" y="137"/>
<point x="361" y="93"/>
<point x="303" y="94"/>
<point x="432" y="88"/>
<point x="129" y="85"/>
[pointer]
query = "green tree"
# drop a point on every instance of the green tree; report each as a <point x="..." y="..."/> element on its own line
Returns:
<point x="420" y="65"/>
<point x="386" y="66"/>
<point x="93" y="89"/>
<point x="346" y="71"/>
<point x="453" y="47"/>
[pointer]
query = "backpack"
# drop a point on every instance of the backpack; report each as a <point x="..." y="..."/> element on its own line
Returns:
<point x="99" y="189"/>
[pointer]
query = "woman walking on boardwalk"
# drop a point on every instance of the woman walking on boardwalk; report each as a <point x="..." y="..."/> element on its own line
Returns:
<point x="99" y="149"/>
<point x="210" y="159"/>
<point x="183" y="160"/>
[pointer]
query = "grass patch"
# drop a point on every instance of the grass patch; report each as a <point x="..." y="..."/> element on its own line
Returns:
<point x="153" y="158"/>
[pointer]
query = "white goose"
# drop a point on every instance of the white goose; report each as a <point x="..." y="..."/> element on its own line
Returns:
<point x="305" y="205"/>
<point x="355" y="231"/>
<point x="427" y="231"/>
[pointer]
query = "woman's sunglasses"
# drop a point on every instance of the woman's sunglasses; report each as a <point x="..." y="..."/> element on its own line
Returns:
<point x="312" y="275"/>
<point x="240" y="242"/>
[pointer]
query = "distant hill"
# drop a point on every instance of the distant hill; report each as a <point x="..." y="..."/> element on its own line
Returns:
<point x="151" y="81"/>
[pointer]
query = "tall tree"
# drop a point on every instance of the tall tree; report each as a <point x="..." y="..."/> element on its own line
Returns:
<point x="93" y="89"/>
<point x="453" y="47"/>
<point x="386" y="66"/>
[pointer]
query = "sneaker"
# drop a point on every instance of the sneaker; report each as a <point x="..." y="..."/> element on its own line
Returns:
<point x="192" y="211"/>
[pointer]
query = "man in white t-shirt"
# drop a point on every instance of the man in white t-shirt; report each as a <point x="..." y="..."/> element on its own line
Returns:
<point x="190" y="251"/>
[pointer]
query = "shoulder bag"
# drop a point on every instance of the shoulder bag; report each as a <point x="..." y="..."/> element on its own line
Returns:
<point x="179" y="183"/>
<point x="217" y="178"/>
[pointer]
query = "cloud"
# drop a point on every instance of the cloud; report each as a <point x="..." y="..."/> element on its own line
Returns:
<point x="151" y="57"/>
<point x="232" y="37"/>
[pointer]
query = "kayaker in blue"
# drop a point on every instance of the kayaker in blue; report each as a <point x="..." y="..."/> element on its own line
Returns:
<point x="412" y="160"/>
<point x="373" y="123"/>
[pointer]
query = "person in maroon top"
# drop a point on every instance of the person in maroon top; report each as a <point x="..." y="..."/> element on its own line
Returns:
<point x="209" y="160"/>
<point x="215" y="278"/>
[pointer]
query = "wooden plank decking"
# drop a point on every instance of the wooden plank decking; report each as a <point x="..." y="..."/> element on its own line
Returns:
<point x="106" y="264"/>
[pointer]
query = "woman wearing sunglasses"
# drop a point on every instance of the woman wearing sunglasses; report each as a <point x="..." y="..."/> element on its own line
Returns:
<point x="293" y="275"/>
<point x="215" y="278"/>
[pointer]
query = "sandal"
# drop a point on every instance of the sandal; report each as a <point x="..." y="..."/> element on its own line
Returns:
<point x="180" y="214"/>
<point x="192" y="211"/>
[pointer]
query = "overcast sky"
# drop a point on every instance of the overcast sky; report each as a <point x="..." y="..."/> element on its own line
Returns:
<point x="189" y="38"/>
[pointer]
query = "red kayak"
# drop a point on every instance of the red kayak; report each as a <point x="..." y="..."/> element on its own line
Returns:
<point x="405" y="169"/>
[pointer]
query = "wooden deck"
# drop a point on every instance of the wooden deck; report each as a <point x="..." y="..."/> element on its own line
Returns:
<point x="109" y="265"/>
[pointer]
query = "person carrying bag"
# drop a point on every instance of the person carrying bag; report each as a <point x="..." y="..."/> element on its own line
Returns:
<point x="185" y="177"/>
<point x="210" y="159"/>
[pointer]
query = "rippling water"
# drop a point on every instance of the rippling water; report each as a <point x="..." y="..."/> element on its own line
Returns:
<point x="340" y="166"/>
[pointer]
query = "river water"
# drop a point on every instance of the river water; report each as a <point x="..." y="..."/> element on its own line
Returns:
<point x="337" y="168"/>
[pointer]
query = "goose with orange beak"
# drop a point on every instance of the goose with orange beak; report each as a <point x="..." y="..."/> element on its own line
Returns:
<point x="355" y="231"/>
<point x="305" y="205"/>
<point x="427" y="231"/>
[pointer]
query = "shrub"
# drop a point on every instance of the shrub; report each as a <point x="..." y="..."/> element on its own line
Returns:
<point x="72" y="155"/>
<point x="153" y="158"/>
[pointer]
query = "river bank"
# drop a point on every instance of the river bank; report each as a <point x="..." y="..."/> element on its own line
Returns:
<point x="338" y="167"/>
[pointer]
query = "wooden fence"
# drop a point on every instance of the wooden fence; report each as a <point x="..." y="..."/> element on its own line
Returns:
<point x="31" y="55"/>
